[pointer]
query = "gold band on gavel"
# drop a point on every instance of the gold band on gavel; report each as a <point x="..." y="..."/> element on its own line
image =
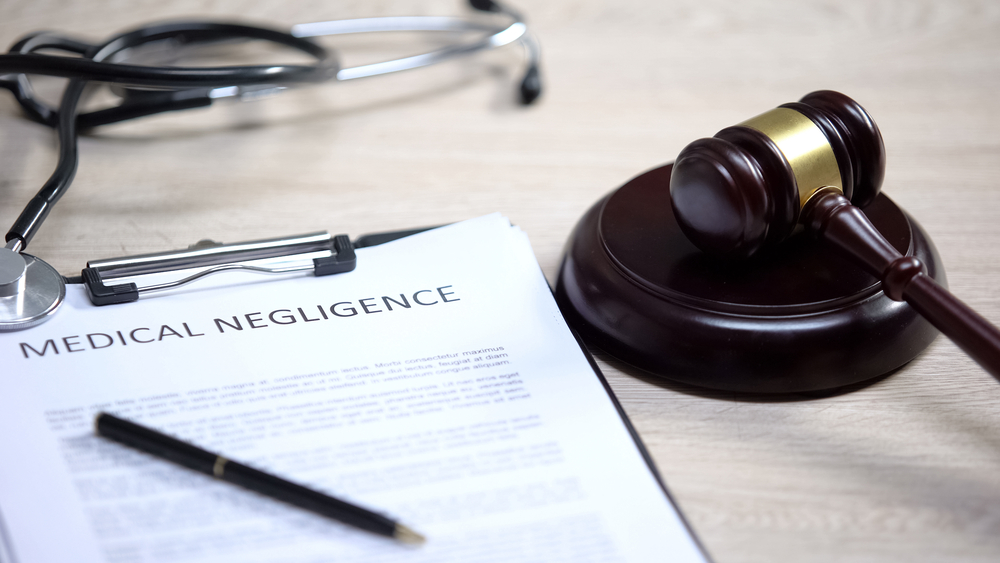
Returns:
<point x="804" y="146"/>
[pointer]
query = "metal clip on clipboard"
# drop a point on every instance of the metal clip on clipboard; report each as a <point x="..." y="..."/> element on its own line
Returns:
<point x="216" y="258"/>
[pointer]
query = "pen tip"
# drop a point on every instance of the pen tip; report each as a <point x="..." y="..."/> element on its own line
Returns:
<point x="406" y="535"/>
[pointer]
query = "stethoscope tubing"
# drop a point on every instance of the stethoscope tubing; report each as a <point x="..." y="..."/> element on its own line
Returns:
<point x="188" y="87"/>
<point x="174" y="77"/>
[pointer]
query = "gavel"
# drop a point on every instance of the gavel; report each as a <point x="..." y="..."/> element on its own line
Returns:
<point x="813" y="163"/>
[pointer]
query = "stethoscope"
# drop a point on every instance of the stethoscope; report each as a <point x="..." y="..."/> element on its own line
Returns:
<point x="31" y="290"/>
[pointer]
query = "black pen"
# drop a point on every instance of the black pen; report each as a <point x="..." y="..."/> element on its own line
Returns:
<point x="172" y="449"/>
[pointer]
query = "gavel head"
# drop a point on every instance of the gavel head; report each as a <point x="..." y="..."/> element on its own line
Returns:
<point x="745" y="187"/>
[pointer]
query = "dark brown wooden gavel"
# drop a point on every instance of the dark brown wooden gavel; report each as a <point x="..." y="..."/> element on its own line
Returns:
<point x="805" y="163"/>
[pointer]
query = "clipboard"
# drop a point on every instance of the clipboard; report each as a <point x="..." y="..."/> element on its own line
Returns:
<point x="217" y="257"/>
<point x="101" y="279"/>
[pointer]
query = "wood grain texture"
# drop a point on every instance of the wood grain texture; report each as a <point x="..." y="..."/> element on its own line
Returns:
<point x="906" y="469"/>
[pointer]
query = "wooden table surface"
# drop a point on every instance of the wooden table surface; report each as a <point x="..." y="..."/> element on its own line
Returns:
<point x="906" y="469"/>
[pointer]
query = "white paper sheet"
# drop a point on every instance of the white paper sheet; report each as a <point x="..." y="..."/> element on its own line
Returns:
<point x="437" y="383"/>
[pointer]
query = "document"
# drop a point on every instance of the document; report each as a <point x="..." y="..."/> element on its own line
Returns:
<point x="437" y="383"/>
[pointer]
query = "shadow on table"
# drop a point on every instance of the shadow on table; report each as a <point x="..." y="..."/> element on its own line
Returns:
<point x="707" y="393"/>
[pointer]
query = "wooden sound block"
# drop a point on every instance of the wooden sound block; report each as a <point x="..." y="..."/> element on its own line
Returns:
<point x="797" y="318"/>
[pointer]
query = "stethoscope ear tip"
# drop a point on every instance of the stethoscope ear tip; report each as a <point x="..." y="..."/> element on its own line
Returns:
<point x="531" y="86"/>
<point x="484" y="5"/>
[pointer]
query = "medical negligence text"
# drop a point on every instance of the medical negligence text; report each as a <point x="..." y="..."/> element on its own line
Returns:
<point x="237" y="323"/>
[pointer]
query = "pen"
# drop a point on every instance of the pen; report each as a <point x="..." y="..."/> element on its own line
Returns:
<point x="193" y="457"/>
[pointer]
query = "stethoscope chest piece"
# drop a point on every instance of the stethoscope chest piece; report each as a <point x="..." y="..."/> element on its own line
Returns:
<point x="30" y="290"/>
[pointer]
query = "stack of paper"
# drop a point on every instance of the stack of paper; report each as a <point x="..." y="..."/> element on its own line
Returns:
<point x="437" y="383"/>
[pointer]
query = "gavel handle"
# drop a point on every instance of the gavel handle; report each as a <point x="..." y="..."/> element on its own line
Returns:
<point x="832" y="218"/>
